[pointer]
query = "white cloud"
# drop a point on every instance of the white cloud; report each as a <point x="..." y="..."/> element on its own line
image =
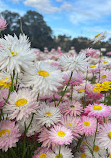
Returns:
<point x="42" y="5"/>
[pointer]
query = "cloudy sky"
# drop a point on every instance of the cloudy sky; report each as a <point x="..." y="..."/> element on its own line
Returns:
<point x="71" y="17"/>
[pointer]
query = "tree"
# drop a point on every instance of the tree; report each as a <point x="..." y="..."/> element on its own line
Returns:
<point x="13" y="22"/>
<point x="36" y="28"/>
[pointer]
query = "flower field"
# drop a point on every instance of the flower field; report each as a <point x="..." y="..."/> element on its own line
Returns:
<point x="53" y="104"/>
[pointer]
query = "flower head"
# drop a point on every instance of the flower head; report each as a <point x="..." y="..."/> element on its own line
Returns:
<point x="9" y="135"/>
<point x="44" y="78"/>
<point x="47" y="115"/>
<point x="3" y="24"/>
<point x="21" y="104"/>
<point x="88" y="125"/>
<point x="60" y="135"/>
<point x="15" y="53"/>
<point x="97" y="110"/>
<point x="104" y="136"/>
<point x="72" y="108"/>
<point x="78" y="63"/>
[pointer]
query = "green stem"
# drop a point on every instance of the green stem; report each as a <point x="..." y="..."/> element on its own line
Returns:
<point x="95" y="137"/>
<point x="37" y="97"/>
<point x="21" y="28"/>
<point x="65" y="88"/>
<point x="26" y="130"/>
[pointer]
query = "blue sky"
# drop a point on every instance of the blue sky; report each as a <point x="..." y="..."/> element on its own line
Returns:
<point x="71" y="17"/>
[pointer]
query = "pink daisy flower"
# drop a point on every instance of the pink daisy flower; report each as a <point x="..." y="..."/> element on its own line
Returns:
<point x="3" y="94"/>
<point x="21" y="104"/>
<point x="88" y="125"/>
<point x="104" y="136"/>
<point x="45" y="139"/>
<point x="97" y="110"/>
<point x="91" y="95"/>
<point x="90" y="51"/>
<point x="93" y="69"/>
<point x="42" y="153"/>
<point x="9" y="135"/>
<point x="72" y="108"/>
<point x="3" y="24"/>
<point x="77" y="78"/>
<point x="105" y="76"/>
<point x="73" y="123"/>
<point x="60" y="135"/>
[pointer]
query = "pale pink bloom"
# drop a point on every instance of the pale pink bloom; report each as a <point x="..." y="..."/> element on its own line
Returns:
<point x="45" y="139"/>
<point x="77" y="78"/>
<point x="72" y="108"/>
<point x="90" y="51"/>
<point x="3" y="94"/>
<point x="104" y="136"/>
<point x="97" y="110"/>
<point x="21" y="104"/>
<point x="60" y="135"/>
<point x="42" y="153"/>
<point x="108" y="53"/>
<point x="3" y="24"/>
<point x="73" y="123"/>
<point x="9" y="135"/>
<point x="93" y="69"/>
<point x="91" y="95"/>
<point x="105" y="75"/>
<point x="88" y="125"/>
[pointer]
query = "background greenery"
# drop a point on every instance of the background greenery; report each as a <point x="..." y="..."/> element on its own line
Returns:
<point x="41" y="35"/>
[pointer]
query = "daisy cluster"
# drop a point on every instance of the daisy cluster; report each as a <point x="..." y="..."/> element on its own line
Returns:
<point x="53" y="105"/>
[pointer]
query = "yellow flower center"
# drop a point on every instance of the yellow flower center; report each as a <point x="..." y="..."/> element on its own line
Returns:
<point x="97" y="107"/>
<point x="86" y="123"/>
<point x="109" y="155"/>
<point x="104" y="76"/>
<point x="47" y="114"/>
<point x="14" y="54"/>
<point x="4" y="132"/>
<point x="83" y="155"/>
<point x="69" y="124"/>
<point x="80" y="91"/>
<point x="43" y="155"/>
<point x="61" y="133"/>
<point x="105" y="62"/>
<point x="21" y="102"/>
<point x="59" y="156"/>
<point x="43" y="73"/>
<point x="92" y="66"/>
<point x="96" y="148"/>
<point x="98" y="35"/>
<point x="5" y="84"/>
<point x="109" y="134"/>
<point x="72" y="106"/>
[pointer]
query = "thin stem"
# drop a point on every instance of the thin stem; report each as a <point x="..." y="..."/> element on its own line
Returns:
<point x="95" y="136"/>
<point x="37" y="97"/>
<point x="21" y="28"/>
<point x="65" y="88"/>
<point x="26" y="130"/>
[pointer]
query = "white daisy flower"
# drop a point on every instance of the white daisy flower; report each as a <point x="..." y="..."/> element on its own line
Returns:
<point x="65" y="152"/>
<point x="47" y="115"/>
<point x="34" y="127"/>
<point x="80" y="155"/>
<point x="99" y="37"/>
<point x="98" y="150"/>
<point x="20" y="104"/>
<point x="44" y="78"/>
<point x="74" y="63"/>
<point x="15" y="53"/>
